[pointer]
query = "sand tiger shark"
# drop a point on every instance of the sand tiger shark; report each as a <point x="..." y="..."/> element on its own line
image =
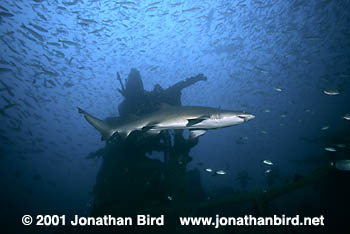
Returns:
<point x="197" y="119"/>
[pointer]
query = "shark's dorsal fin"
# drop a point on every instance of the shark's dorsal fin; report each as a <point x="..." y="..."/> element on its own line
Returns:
<point x="132" y="116"/>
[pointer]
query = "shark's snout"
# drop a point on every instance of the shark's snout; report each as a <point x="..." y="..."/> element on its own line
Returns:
<point x="246" y="117"/>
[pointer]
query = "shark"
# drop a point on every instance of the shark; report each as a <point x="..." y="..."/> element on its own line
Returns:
<point x="197" y="119"/>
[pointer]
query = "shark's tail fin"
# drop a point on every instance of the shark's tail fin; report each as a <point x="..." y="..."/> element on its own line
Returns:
<point x="104" y="128"/>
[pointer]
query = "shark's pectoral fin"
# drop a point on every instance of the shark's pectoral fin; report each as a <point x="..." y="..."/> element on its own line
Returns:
<point x="146" y="128"/>
<point x="149" y="126"/>
<point x="196" y="133"/>
<point x="192" y="122"/>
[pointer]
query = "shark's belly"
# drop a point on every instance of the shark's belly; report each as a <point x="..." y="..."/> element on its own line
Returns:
<point x="171" y="125"/>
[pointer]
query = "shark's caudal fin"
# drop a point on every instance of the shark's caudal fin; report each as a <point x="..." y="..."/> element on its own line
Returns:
<point x="104" y="128"/>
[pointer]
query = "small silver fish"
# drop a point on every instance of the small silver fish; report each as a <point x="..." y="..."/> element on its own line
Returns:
<point x="209" y="170"/>
<point x="343" y="165"/>
<point x="325" y="128"/>
<point x="268" y="171"/>
<point x="330" y="149"/>
<point x="170" y="198"/>
<point x="346" y="117"/>
<point x="330" y="92"/>
<point x="341" y="145"/>
<point x="220" y="172"/>
<point x="267" y="162"/>
<point x="192" y="9"/>
<point x="278" y="89"/>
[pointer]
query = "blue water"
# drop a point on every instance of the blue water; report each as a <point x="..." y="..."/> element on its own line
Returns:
<point x="274" y="59"/>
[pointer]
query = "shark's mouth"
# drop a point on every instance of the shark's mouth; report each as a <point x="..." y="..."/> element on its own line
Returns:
<point x="244" y="117"/>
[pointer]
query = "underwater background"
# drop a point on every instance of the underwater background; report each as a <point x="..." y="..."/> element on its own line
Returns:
<point x="286" y="62"/>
